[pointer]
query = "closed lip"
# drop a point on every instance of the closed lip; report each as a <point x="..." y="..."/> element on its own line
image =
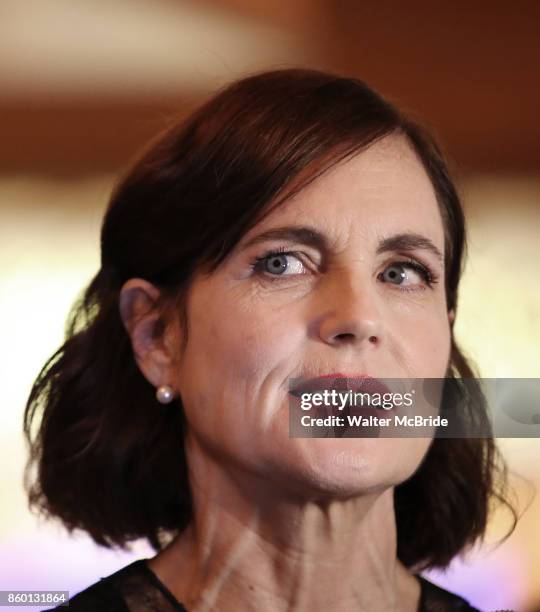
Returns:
<point x="340" y="382"/>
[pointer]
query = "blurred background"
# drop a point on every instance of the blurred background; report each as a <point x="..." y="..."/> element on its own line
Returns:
<point x="84" y="84"/>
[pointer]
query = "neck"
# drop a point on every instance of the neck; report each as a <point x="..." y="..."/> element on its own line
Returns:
<point x="252" y="547"/>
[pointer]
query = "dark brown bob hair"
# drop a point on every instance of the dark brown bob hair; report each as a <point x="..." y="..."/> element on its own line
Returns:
<point x="105" y="457"/>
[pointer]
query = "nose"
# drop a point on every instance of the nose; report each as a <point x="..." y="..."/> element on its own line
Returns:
<point x="351" y="313"/>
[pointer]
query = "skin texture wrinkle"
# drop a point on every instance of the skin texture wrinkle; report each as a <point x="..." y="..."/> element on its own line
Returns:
<point x="302" y="524"/>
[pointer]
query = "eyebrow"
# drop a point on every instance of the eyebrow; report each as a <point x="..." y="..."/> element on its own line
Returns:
<point x="406" y="241"/>
<point x="303" y="235"/>
<point x="409" y="241"/>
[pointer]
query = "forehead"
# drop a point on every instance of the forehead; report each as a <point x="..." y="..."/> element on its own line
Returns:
<point x="381" y="190"/>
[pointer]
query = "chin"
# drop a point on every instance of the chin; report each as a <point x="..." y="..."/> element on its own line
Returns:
<point x="343" y="468"/>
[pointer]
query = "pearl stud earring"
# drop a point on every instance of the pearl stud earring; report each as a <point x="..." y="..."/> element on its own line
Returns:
<point x="165" y="394"/>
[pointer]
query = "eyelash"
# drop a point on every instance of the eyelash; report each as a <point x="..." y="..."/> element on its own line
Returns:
<point x="425" y="272"/>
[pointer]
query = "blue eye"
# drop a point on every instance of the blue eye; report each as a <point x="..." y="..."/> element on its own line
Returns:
<point x="279" y="263"/>
<point x="276" y="264"/>
<point x="394" y="274"/>
<point x="403" y="273"/>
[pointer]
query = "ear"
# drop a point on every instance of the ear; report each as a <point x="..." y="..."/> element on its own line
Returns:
<point x="138" y="301"/>
<point x="451" y="316"/>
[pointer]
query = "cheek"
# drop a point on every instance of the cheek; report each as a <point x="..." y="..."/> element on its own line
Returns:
<point x="236" y="353"/>
<point x="423" y="334"/>
<point x="247" y="347"/>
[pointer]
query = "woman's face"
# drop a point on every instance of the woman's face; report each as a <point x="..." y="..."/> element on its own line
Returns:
<point x="343" y="308"/>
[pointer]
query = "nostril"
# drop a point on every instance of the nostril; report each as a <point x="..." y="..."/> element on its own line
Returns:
<point x="345" y="336"/>
<point x="373" y="339"/>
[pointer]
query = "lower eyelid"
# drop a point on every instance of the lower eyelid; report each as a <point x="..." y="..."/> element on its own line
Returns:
<point x="408" y="288"/>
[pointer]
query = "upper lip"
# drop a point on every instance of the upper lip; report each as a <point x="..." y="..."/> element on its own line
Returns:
<point x="341" y="382"/>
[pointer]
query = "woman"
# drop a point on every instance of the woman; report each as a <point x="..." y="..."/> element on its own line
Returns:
<point x="297" y="225"/>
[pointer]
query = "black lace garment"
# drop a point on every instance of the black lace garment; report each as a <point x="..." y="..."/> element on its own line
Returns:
<point x="135" y="588"/>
